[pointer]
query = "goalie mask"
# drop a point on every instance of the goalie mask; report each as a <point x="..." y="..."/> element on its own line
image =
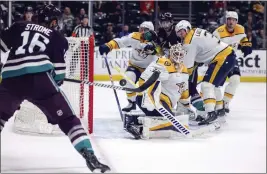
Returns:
<point x="177" y="54"/>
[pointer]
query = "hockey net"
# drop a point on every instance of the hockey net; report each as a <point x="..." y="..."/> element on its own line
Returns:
<point x="79" y="66"/>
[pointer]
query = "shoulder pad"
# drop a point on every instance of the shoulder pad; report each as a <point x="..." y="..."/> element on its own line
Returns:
<point x="167" y="64"/>
<point x="184" y="69"/>
<point x="189" y="36"/>
<point x="221" y="28"/>
<point x="136" y="35"/>
<point x="239" y="29"/>
<point x="164" y="61"/>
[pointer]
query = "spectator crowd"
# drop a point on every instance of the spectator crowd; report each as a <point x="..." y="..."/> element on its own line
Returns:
<point x="110" y="17"/>
<point x="251" y="15"/>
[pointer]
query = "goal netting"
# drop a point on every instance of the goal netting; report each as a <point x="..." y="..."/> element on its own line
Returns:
<point x="79" y="66"/>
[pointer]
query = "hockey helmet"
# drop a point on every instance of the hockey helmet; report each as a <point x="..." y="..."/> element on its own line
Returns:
<point x="166" y="21"/>
<point x="231" y="14"/>
<point x="147" y="25"/>
<point x="47" y="14"/>
<point x="183" y="24"/>
<point x="166" y="16"/>
<point x="28" y="9"/>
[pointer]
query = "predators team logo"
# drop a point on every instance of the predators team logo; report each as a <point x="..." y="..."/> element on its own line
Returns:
<point x="181" y="87"/>
<point x="141" y="53"/>
<point x="220" y="30"/>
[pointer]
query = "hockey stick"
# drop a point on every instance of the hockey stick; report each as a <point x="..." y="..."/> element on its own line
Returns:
<point x="175" y="122"/>
<point x="114" y="90"/>
<point x="102" y="85"/>
<point x="148" y="83"/>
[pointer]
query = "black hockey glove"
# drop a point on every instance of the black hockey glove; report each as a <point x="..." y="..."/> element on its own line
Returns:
<point x="103" y="49"/>
<point x="150" y="49"/>
<point x="246" y="48"/>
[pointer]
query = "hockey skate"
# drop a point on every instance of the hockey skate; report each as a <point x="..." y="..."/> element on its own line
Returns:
<point x="92" y="162"/>
<point x="226" y="107"/>
<point x="132" y="126"/>
<point x="129" y="107"/>
<point x="211" y="116"/>
<point x="220" y="112"/>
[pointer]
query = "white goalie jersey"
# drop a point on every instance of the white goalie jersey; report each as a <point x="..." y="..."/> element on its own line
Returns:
<point x="173" y="84"/>
<point x="134" y="40"/>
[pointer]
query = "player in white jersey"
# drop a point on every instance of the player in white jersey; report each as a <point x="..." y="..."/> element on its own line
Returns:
<point x="234" y="35"/>
<point x="170" y="87"/>
<point x="203" y="47"/>
<point x="143" y="53"/>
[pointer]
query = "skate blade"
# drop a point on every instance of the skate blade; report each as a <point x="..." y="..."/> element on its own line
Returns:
<point x="99" y="171"/>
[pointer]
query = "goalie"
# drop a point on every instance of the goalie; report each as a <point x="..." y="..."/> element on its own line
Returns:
<point x="170" y="86"/>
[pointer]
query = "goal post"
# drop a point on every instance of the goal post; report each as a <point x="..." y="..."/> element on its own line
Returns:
<point x="79" y="66"/>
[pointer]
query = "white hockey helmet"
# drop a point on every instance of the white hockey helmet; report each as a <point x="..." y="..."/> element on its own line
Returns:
<point x="177" y="53"/>
<point x="147" y="24"/>
<point x="231" y="14"/>
<point x="183" y="24"/>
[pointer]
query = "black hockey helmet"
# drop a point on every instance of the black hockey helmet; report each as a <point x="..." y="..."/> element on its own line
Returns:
<point x="166" y="21"/>
<point x="28" y="9"/>
<point x="166" y="16"/>
<point x="49" y="15"/>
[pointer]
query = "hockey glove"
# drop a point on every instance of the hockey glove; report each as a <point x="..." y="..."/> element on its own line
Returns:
<point x="151" y="36"/>
<point x="103" y="49"/>
<point x="150" y="49"/>
<point x="246" y="48"/>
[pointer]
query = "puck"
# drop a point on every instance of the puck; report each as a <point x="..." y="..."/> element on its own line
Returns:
<point x="123" y="82"/>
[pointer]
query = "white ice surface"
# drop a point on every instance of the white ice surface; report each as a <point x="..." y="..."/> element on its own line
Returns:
<point x="240" y="145"/>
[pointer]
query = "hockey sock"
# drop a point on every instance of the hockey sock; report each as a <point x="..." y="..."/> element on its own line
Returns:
<point x="208" y="96"/>
<point x="230" y="89"/>
<point x="197" y="102"/>
<point x="73" y="128"/>
<point x="219" y="98"/>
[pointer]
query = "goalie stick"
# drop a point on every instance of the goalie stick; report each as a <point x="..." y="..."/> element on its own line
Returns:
<point x="149" y="82"/>
<point x="174" y="121"/>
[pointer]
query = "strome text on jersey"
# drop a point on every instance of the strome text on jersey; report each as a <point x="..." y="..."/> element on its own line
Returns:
<point x="39" y="28"/>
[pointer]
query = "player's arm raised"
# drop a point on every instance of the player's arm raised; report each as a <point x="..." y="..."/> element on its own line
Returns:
<point x="117" y="43"/>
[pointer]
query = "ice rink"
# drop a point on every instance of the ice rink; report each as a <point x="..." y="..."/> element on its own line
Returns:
<point x="239" y="146"/>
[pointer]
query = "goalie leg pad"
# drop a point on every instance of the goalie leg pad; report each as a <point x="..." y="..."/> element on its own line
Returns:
<point x="158" y="127"/>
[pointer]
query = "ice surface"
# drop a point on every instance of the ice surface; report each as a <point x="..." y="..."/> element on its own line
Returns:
<point x="240" y="145"/>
